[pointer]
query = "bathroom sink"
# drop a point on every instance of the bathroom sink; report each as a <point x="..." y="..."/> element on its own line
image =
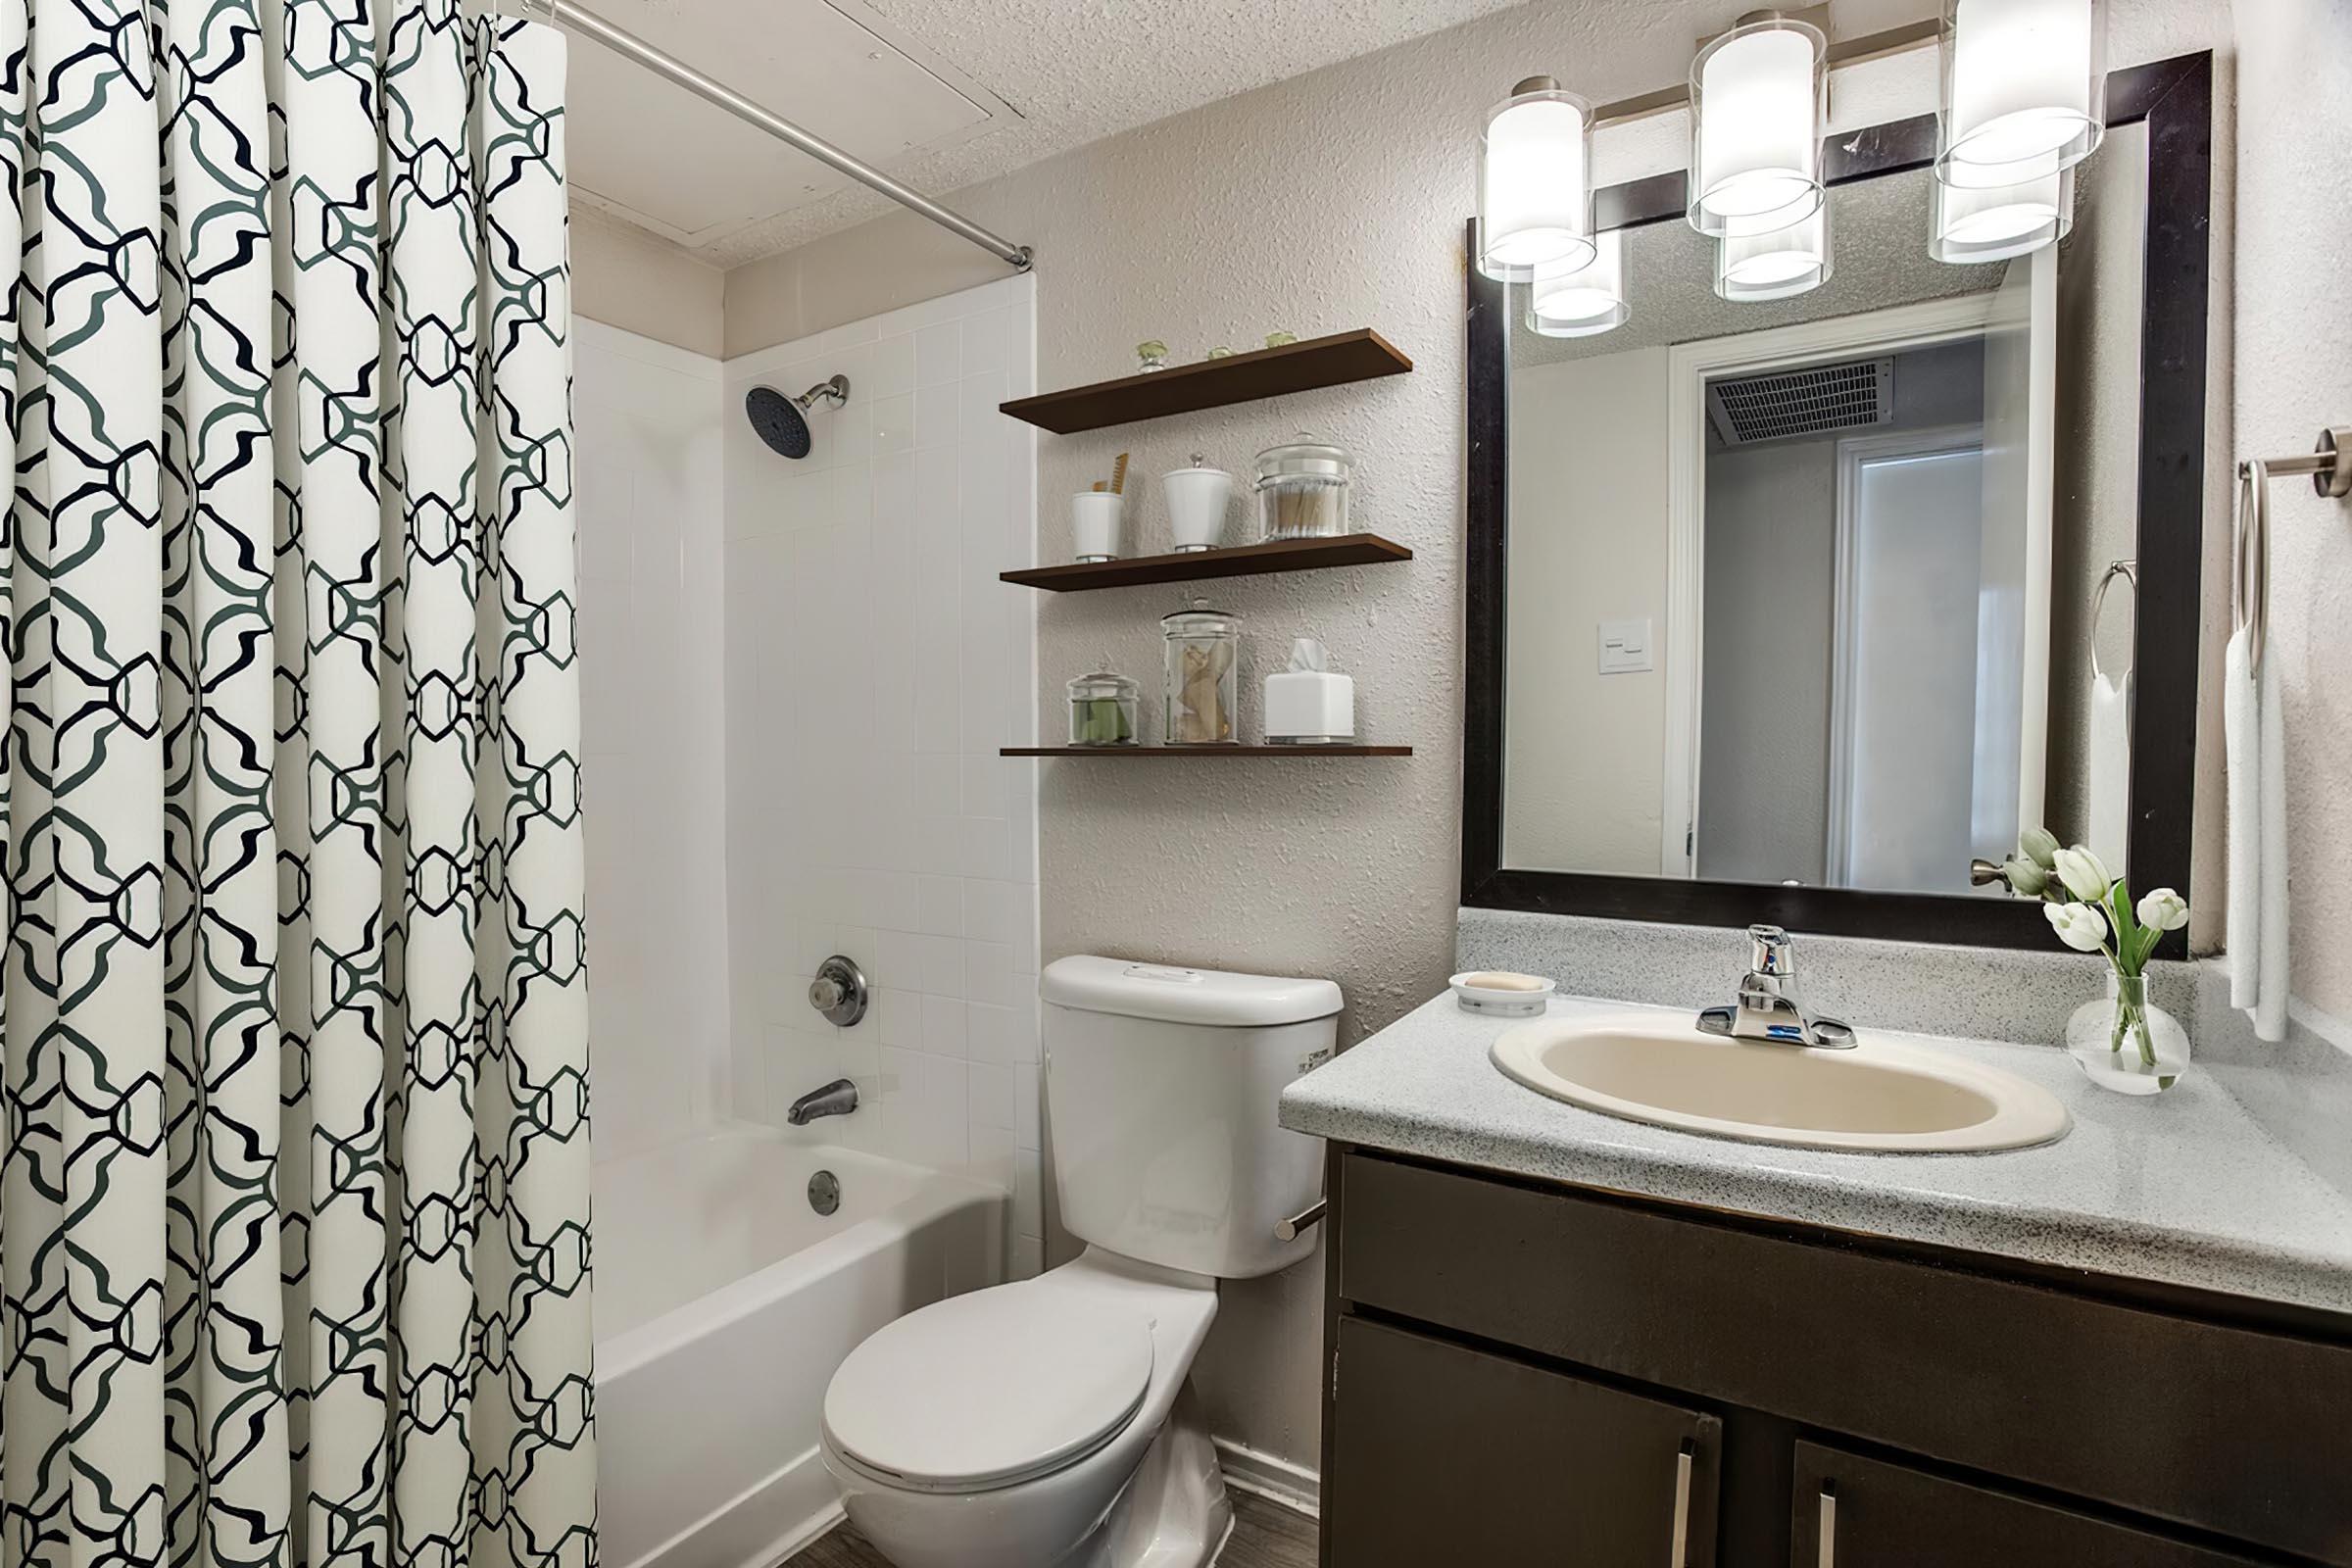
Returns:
<point x="1880" y="1096"/>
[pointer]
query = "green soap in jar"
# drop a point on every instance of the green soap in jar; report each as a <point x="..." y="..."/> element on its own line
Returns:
<point x="1103" y="709"/>
<point x="1103" y="722"/>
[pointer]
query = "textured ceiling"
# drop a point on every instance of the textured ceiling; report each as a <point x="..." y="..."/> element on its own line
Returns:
<point x="1070" y="72"/>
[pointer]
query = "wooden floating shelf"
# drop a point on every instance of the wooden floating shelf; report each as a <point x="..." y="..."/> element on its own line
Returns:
<point x="1206" y="752"/>
<point x="1319" y="362"/>
<point x="1200" y="566"/>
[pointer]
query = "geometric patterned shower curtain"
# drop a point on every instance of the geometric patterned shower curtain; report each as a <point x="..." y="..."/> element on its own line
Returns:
<point x="294" y="1247"/>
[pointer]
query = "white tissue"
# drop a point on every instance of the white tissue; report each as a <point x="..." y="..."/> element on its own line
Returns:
<point x="1309" y="700"/>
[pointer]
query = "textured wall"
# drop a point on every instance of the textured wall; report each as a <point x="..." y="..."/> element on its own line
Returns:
<point x="2294" y="374"/>
<point x="644" y="284"/>
<point x="1335" y="200"/>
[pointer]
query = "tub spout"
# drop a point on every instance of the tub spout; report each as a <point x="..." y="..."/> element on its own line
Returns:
<point x="836" y="1098"/>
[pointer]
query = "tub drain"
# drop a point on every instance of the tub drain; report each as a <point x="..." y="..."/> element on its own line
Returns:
<point x="824" y="1191"/>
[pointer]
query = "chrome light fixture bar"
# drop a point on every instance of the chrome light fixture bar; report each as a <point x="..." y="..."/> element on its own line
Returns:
<point x="1535" y="196"/>
<point x="1758" y="99"/>
<point x="2025" y="89"/>
<point x="588" y="24"/>
<point x="1580" y="301"/>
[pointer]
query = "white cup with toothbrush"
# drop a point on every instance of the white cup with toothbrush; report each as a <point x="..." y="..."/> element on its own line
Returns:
<point x="1098" y="518"/>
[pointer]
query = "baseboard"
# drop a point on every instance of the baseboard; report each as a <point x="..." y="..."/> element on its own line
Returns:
<point x="1262" y="1475"/>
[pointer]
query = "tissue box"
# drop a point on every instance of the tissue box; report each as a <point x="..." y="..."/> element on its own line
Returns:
<point x="1303" y="707"/>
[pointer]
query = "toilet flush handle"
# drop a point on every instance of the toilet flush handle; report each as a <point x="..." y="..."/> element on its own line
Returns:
<point x="1290" y="1230"/>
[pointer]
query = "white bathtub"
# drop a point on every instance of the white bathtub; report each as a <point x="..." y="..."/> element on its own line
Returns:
<point x="724" y="1303"/>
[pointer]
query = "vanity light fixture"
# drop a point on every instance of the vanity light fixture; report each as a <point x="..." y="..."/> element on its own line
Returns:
<point x="2025" y="89"/>
<point x="1773" y="264"/>
<point x="1994" y="224"/>
<point x="1534" y="195"/>
<point x="1758" y="96"/>
<point x="1580" y="301"/>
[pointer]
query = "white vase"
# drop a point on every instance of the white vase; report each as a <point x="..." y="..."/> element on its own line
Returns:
<point x="2126" y="1042"/>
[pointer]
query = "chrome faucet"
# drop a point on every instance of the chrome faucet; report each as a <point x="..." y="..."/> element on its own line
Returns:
<point x="1768" y="1007"/>
<point x="836" y="1098"/>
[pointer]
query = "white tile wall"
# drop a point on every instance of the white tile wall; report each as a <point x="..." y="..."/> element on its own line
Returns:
<point x="875" y="665"/>
<point x="647" y="421"/>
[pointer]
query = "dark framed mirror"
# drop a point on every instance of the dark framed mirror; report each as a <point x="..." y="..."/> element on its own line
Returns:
<point x="1788" y="610"/>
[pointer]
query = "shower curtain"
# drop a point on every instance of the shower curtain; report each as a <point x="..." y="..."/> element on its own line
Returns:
<point x="294" y="1240"/>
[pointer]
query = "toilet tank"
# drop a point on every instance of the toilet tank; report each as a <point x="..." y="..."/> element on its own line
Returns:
<point x="1161" y="1086"/>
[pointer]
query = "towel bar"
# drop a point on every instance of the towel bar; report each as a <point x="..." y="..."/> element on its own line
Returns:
<point x="2328" y="463"/>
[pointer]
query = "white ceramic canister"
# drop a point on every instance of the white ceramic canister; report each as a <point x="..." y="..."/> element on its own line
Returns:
<point x="1097" y="521"/>
<point x="1197" y="498"/>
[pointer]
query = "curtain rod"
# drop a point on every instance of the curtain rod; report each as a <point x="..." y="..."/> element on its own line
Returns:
<point x="588" y="24"/>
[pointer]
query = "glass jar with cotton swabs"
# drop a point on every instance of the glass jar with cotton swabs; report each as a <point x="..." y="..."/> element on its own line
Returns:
<point x="1203" y="675"/>
<point x="1302" y="490"/>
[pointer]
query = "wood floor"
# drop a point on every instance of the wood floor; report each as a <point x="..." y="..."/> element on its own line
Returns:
<point x="1264" y="1535"/>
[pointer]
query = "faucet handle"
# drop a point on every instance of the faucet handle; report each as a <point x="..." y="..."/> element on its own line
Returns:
<point x="1770" y="951"/>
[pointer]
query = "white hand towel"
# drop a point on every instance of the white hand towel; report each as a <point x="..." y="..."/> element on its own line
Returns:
<point x="2241" y="758"/>
<point x="2270" y="1005"/>
<point x="2110" y="768"/>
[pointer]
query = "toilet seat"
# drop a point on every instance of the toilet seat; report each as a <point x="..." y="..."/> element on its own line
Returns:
<point x="989" y="1390"/>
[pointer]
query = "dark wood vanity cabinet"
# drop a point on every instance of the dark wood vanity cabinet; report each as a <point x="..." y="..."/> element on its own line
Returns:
<point x="1527" y="1373"/>
<point x="1538" y="1458"/>
<point x="1867" y="1511"/>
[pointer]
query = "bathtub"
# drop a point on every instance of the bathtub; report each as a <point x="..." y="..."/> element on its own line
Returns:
<point x="723" y="1303"/>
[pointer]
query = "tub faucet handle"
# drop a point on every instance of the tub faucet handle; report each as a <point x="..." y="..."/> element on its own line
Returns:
<point x="839" y="991"/>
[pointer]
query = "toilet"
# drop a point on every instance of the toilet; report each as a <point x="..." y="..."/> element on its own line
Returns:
<point x="1049" y="1423"/>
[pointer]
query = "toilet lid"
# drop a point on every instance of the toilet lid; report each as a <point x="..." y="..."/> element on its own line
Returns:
<point x="990" y="1389"/>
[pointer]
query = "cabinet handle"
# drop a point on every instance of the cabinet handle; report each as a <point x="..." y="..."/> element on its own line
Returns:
<point x="1827" y="1528"/>
<point x="1682" y="1508"/>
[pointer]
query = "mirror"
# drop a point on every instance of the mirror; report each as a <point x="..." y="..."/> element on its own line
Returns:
<point x="1832" y="592"/>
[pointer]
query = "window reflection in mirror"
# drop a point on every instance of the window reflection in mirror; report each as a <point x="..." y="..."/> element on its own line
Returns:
<point x="1802" y="591"/>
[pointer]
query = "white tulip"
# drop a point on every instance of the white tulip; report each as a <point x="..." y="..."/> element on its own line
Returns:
<point x="2040" y="846"/>
<point x="2083" y="873"/>
<point x="2079" y="926"/>
<point x="2164" y="910"/>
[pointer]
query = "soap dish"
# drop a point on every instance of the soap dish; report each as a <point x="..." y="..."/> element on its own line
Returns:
<point x="1499" y="994"/>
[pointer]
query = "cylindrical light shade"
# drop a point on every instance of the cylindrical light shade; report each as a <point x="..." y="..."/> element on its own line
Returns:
<point x="1992" y="225"/>
<point x="2025" y="89"/>
<point x="1580" y="301"/>
<point x="1757" y="96"/>
<point x="1535" y="202"/>
<point x="1774" y="264"/>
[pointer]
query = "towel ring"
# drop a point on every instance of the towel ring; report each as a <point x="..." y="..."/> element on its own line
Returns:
<point x="2128" y="570"/>
<point x="2330" y="466"/>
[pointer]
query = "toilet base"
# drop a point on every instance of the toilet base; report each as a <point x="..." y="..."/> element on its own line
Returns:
<point x="1170" y="1513"/>
<point x="1174" y="1513"/>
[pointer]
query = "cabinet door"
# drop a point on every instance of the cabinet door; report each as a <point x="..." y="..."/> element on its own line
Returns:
<point x="1445" y="1455"/>
<point x="1853" y="1512"/>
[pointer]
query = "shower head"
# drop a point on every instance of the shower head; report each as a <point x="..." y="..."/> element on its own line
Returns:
<point x="778" y="419"/>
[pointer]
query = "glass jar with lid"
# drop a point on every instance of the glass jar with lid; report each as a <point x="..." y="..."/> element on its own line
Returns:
<point x="1302" y="490"/>
<point x="1203" y="649"/>
<point x="1105" y="710"/>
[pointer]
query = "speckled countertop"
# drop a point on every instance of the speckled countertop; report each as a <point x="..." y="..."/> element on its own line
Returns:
<point x="2187" y="1189"/>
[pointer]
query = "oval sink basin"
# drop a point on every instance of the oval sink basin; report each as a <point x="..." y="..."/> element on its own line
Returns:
<point x="1881" y="1096"/>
